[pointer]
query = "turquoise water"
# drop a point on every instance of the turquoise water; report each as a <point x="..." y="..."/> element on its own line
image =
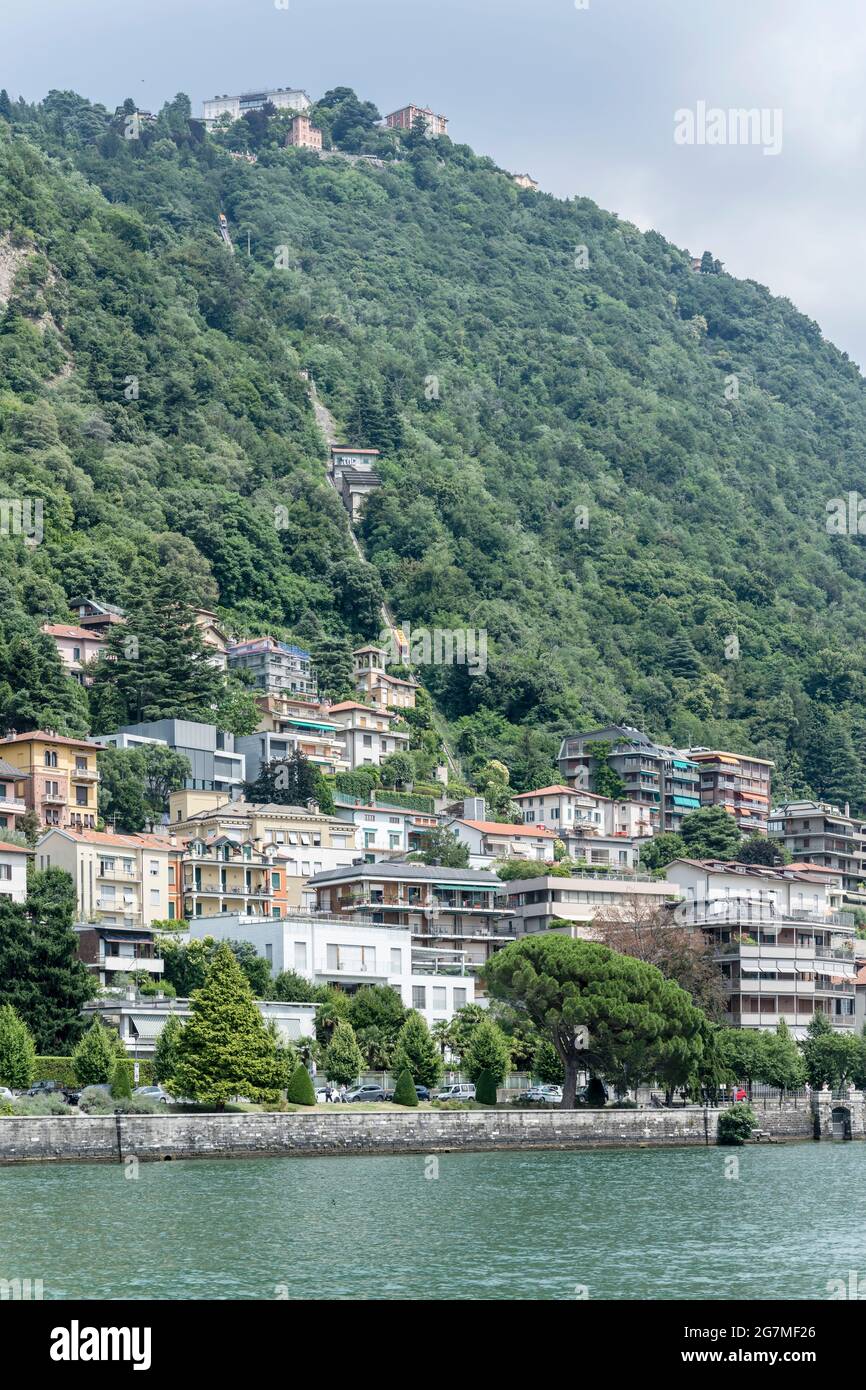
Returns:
<point x="626" y="1224"/>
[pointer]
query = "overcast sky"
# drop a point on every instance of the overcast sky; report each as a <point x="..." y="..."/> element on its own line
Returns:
<point x="582" y="98"/>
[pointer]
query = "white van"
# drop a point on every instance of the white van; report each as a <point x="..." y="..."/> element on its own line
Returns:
<point x="458" y="1090"/>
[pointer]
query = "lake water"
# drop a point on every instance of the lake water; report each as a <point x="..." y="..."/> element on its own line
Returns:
<point x="625" y="1224"/>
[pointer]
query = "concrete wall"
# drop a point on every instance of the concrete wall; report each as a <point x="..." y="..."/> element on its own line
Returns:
<point x="338" y="1131"/>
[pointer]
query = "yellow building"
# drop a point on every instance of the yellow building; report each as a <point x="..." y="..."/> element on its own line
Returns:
<point x="61" y="773"/>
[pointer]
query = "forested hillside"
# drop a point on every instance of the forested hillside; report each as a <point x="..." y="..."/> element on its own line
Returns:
<point x="567" y="461"/>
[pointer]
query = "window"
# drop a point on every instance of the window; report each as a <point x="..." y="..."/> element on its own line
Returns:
<point x="396" y="960"/>
<point x="6" y="872"/>
<point x="154" y="868"/>
<point x="459" y="998"/>
<point x="81" y="796"/>
<point x="275" y="881"/>
<point x="440" y="998"/>
<point x="269" y="953"/>
<point x="300" y="955"/>
<point x="419" y="997"/>
<point x="50" y="758"/>
<point x="154" y="897"/>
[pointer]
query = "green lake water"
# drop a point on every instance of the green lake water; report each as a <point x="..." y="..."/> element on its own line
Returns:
<point x="626" y="1224"/>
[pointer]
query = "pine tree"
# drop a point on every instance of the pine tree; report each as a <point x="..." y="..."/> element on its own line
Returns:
<point x="485" y="1089"/>
<point x="404" y="1091"/>
<point x="332" y="662"/>
<point x="291" y="781"/>
<point x="17" y="1050"/>
<point x="343" y="1059"/>
<point x="417" y="1053"/>
<point x="95" y="1057"/>
<point x="547" y="1064"/>
<point x="225" y="1049"/>
<point x="40" y="975"/>
<point x="5" y="105"/>
<point x="393" y="420"/>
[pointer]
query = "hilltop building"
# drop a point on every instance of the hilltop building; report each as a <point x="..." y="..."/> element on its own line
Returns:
<point x="283" y="98"/>
<point x="77" y="647"/>
<point x="373" y="684"/>
<point x="96" y="616"/>
<point x="820" y="834"/>
<point x="525" y="181"/>
<point x="405" y="118"/>
<point x="367" y="734"/>
<point x="304" y="135"/>
<point x="295" y="724"/>
<point x="665" y="782"/>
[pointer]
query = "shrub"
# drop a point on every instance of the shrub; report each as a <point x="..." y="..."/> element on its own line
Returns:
<point x="485" y="1089"/>
<point x="17" y="1052"/>
<point x="300" y="1088"/>
<point x="736" y="1124"/>
<point x="41" y="1105"/>
<point x="404" y="1091"/>
<point x="95" y="1056"/>
<point x="595" y="1096"/>
<point x="120" y="1087"/>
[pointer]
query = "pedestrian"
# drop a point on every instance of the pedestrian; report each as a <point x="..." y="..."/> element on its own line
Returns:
<point x="328" y="1091"/>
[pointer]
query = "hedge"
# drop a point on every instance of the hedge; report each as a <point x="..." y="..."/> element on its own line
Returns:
<point x="410" y="801"/>
<point x="61" y="1069"/>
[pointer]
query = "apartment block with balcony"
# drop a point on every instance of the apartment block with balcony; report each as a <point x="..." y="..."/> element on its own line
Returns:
<point x="783" y="946"/>
<point x="139" y="1019"/>
<point x="120" y="880"/>
<point x="58" y="776"/>
<point x="569" y="905"/>
<point x="283" y="98"/>
<point x="444" y="909"/>
<point x="368" y="734"/>
<point x="739" y="783"/>
<point x="293" y="723"/>
<point x="274" y="667"/>
<point x="13" y="803"/>
<point x="377" y="829"/>
<point x="593" y="828"/>
<point x="218" y="874"/>
<point x="822" y="834"/>
<point x="113" y="951"/>
<point x="489" y="841"/>
<point x="665" y="782"/>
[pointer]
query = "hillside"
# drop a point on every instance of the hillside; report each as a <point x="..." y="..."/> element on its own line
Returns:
<point x="557" y="389"/>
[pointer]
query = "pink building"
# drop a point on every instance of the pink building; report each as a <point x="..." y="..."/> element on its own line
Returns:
<point x="405" y="118"/>
<point x="304" y="134"/>
<point x="77" y="647"/>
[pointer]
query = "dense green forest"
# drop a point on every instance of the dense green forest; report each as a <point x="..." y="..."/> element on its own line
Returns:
<point x="619" y="468"/>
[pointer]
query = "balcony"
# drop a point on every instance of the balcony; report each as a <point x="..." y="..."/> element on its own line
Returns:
<point x="362" y="972"/>
<point x="57" y="798"/>
<point x="154" y="965"/>
<point x="10" y="805"/>
<point x="119" y="875"/>
<point x="84" y="774"/>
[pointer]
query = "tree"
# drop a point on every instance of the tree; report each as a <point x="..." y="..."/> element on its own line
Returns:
<point x="120" y="1087"/>
<point x="343" y="1060"/>
<point x="225" y="1049"/>
<point x="462" y="1027"/>
<point x="332" y="660"/>
<point x="605" y="780"/>
<point x="292" y="781"/>
<point x="40" y="974"/>
<point x="238" y="711"/>
<point x="736" y="1124"/>
<point x="404" y="1091"/>
<point x="636" y="1022"/>
<point x="165" y="1052"/>
<point x="782" y="1063"/>
<point x="333" y="1009"/>
<point x="293" y="988"/>
<point x="487" y="1052"/>
<point x="164" y="772"/>
<point x="829" y="1056"/>
<point x="661" y="850"/>
<point x="710" y="833"/>
<point x="17" y="1050"/>
<point x="377" y="1013"/>
<point x="95" y="1057"/>
<point x="300" y="1088"/>
<point x="416" y="1052"/>
<point x="639" y="928"/>
<point x="441" y="846"/>
<point x="742" y="1051"/>
<point x="122" y="801"/>
<point x="546" y="1064"/>
<point x="760" y="849"/>
<point x="396" y="770"/>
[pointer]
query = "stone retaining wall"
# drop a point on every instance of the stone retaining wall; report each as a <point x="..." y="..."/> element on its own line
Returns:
<point x="111" y="1138"/>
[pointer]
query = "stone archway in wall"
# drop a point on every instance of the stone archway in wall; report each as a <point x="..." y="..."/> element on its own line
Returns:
<point x="840" y="1116"/>
<point x="840" y="1122"/>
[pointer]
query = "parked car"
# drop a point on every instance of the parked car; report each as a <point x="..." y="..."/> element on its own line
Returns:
<point x="155" y="1093"/>
<point x="54" y="1088"/>
<point x="322" y="1097"/>
<point x="421" y="1092"/>
<point x="457" y="1090"/>
<point x="583" y="1091"/>
<point x="368" y="1091"/>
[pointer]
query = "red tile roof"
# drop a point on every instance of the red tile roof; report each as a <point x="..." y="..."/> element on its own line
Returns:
<point x="551" y="791"/>
<point x="493" y="827"/>
<point x="80" y="634"/>
<point x="14" y="849"/>
<point x="42" y="736"/>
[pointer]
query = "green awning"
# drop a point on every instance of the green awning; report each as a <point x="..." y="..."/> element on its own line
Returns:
<point x="686" y="801"/>
<point x="308" y="723"/>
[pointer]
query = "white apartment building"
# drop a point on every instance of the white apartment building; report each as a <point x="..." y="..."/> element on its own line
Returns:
<point x="139" y="1019"/>
<point x="329" y="950"/>
<point x="120" y="880"/>
<point x="13" y="871"/>
<point x="379" y="829"/>
<point x="491" y="840"/>
<point x="283" y="98"/>
<point x="367" y="734"/>
<point x="784" y="948"/>
<point x="535" y="903"/>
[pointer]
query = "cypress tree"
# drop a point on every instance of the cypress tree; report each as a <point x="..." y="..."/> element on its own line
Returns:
<point x="17" y="1050"/>
<point x="404" y="1091"/>
<point x="225" y="1050"/>
<point x="120" y="1087"/>
<point x="485" y="1089"/>
<point x="344" y="1060"/>
<point x="417" y="1053"/>
<point x="95" y="1057"/>
<point x="165" y="1053"/>
<point x="300" y="1088"/>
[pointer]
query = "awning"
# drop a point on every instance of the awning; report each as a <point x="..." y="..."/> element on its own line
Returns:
<point x="686" y="801"/>
<point x="148" y="1026"/>
<point x="309" y="723"/>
